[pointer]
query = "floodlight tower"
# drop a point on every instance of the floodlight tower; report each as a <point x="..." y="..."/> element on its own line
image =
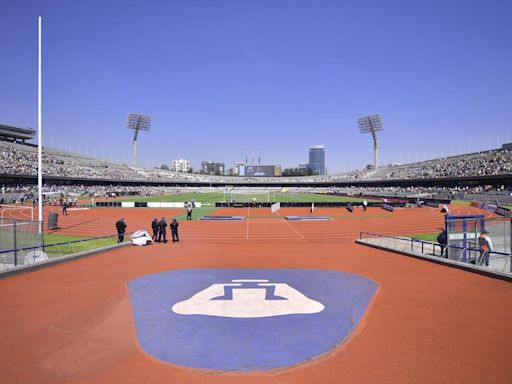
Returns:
<point x="138" y="123"/>
<point x="372" y="124"/>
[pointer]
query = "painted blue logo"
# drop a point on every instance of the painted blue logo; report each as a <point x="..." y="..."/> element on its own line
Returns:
<point x="246" y="319"/>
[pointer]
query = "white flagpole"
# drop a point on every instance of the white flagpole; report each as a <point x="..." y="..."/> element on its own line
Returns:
<point x="39" y="137"/>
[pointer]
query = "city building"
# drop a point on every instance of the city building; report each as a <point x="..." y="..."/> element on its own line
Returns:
<point x="181" y="165"/>
<point x="240" y="166"/>
<point x="317" y="159"/>
<point x="212" y="168"/>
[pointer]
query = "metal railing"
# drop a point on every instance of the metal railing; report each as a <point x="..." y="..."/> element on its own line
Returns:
<point x="498" y="261"/>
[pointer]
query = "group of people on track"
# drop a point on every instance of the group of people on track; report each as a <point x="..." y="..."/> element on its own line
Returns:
<point x="159" y="228"/>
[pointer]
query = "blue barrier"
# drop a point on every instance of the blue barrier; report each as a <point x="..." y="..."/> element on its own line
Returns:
<point x="222" y="218"/>
<point x="307" y="218"/>
<point x="388" y="207"/>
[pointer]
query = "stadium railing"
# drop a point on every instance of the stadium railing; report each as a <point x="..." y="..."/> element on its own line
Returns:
<point x="15" y="257"/>
<point x="498" y="261"/>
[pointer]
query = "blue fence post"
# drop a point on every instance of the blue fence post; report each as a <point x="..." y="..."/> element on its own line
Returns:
<point x="15" y="245"/>
<point x="464" y="242"/>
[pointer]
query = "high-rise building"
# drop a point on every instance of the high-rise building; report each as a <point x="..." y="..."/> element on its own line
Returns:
<point x="212" y="168"/>
<point x="180" y="165"/>
<point x="317" y="159"/>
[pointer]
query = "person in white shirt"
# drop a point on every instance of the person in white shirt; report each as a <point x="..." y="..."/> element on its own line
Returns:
<point x="485" y="245"/>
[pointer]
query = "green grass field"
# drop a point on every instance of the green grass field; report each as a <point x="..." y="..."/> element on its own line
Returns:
<point x="196" y="213"/>
<point x="213" y="197"/>
<point x="53" y="238"/>
<point x="461" y="202"/>
<point x="74" y="247"/>
<point x="430" y="236"/>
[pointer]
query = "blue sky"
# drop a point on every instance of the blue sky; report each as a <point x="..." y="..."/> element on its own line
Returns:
<point x="223" y="80"/>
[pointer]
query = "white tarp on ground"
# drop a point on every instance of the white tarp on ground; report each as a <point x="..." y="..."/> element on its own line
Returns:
<point x="141" y="238"/>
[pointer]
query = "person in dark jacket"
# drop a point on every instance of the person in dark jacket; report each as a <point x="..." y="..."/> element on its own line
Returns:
<point x="174" y="231"/>
<point x="154" y="227"/>
<point x="162" y="230"/>
<point x="121" y="229"/>
<point x="442" y="239"/>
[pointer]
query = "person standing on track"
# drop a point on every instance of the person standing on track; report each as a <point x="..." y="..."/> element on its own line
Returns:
<point x="442" y="239"/>
<point x="189" y="211"/>
<point x="162" y="231"/>
<point x="365" y="204"/>
<point x="174" y="230"/>
<point x="154" y="227"/>
<point x="485" y="245"/>
<point x="121" y="229"/>
<point x="65" y="208"/>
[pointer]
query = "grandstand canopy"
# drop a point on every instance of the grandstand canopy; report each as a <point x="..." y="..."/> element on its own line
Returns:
<point x="9" y="133"/>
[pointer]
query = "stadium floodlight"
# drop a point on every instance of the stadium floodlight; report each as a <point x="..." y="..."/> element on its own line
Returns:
<point x="138" y="123"/>
<point x="372" y="124"/>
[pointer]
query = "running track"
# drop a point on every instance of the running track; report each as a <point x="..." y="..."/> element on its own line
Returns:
<point x="428" y="323"/>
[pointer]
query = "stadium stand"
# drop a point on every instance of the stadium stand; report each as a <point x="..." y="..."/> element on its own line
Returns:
<point x="21" y="159"/>
<point x="9" y="133"/>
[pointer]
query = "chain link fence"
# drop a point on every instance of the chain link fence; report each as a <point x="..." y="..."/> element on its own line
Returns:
<point x="22" y="243"/>
<point x="498" y="261"/>
<point x="17" y="238"/>
<point x="463" y="232"/>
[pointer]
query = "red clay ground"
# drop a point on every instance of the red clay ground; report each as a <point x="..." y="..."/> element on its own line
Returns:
<point x="428" y="323"/>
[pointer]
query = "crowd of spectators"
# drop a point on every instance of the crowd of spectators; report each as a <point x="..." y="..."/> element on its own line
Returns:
<point x="18" y="159"/>
<point x="479" y="164"/>
<point x="88" y="194"/>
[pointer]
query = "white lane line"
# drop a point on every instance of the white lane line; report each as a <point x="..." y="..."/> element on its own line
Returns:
<point x="297" y="232"/>
<point x="247" y="231"/>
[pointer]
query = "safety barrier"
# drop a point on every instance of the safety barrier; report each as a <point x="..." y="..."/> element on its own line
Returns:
<point x="21" y="256"/>
<point x="143" y="204"/>
<point x="498" y="261"/>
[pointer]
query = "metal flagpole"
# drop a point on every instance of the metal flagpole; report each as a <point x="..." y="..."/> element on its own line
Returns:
<point x="39" y="137"/>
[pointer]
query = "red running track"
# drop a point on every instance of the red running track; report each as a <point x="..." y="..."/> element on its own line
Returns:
<point x="428" y="323"/>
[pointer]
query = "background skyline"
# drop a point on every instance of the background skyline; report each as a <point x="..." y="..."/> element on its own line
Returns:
<point x="225" y="80"/>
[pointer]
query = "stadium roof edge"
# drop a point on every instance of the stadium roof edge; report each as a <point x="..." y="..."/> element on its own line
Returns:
<point x="16" y="133"/>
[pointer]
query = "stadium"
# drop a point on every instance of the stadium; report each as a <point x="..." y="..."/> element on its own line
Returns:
<point x="115" y="272"/>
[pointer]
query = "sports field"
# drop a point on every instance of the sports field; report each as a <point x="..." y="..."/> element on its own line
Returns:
<point x="109" y="318"/>
<point x="213" y="197"/>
